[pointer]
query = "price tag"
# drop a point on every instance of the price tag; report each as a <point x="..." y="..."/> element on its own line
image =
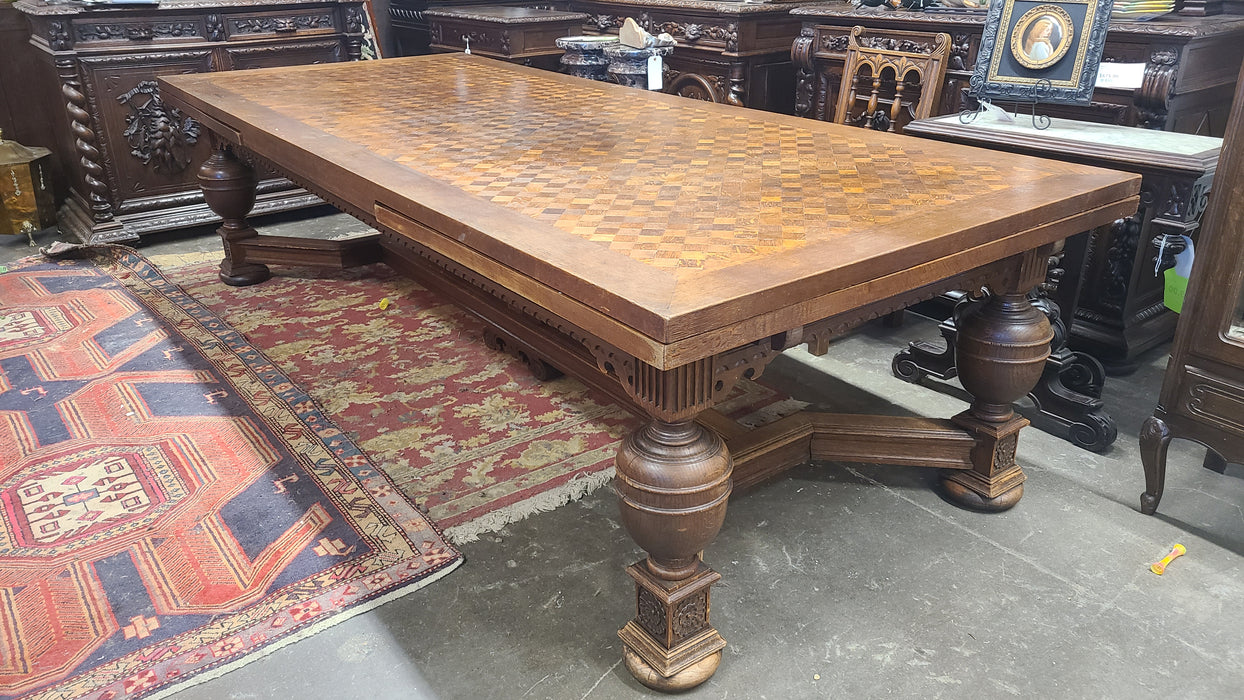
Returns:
<point x="654" y="73"/>
<point x="1122" y="76"/>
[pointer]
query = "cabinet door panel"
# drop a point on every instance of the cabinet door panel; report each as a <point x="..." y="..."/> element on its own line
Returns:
<point x="294" y="53"/>
<point x="149" y="148"/>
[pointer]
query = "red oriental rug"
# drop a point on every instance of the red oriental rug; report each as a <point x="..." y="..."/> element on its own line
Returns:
<point x="465" y="432"/>
<point x="170" y="503"/>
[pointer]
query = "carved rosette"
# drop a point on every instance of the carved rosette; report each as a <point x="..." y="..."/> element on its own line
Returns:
<point x="1004" y="451"/>
<point x="690" y="616"/>
<point x="650" y="613"/>
<point x="58" y="36"/>
<point x="160" y="136"/>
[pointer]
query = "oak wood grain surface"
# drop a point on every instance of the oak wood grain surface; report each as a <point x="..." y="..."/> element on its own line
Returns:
<point x="669" y="227"/>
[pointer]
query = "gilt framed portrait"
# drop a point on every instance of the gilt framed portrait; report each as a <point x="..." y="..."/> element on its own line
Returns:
<point x="1041" y="50"/>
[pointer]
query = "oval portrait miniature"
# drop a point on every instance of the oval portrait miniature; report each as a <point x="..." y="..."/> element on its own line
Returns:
<point x="1042" y="36"/>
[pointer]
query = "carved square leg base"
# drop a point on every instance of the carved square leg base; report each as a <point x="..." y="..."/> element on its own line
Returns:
<point x="995" y="482"/>
<point x="670" y="644"/>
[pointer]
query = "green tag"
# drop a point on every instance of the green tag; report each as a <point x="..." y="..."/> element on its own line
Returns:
<point x="1176" y="286"/>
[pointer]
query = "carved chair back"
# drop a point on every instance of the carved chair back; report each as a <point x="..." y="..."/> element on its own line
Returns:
<point x="891" y="78"/>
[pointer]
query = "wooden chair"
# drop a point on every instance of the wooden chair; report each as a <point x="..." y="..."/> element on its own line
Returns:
<point x="891" y="78"/>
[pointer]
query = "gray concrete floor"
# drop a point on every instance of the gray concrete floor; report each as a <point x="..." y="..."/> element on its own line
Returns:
<point x="839" y="580"/>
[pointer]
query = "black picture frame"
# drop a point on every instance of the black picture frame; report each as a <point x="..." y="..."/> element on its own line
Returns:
<point x="1041" y="51"/>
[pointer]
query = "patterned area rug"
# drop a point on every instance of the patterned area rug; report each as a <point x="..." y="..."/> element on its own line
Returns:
<point x="465" y="432"/>
<point x="170" y="503"/>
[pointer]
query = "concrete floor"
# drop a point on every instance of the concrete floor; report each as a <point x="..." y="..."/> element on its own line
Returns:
<point x="838" y="580"/>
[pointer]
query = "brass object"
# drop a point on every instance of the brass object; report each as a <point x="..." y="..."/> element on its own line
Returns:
<point x="26" y="201"/>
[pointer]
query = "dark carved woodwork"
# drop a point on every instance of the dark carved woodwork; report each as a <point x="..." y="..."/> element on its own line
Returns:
<point x="892" y="78"/>
<point x="158" y="135"/>
<point x="1117" y="312"/>
<point x="517" y="34"/>
<point x="728" y="52"/>
<point x="126" y="154"/>
<point x="1202" y="395"/>
<point x="1188" y="77"/>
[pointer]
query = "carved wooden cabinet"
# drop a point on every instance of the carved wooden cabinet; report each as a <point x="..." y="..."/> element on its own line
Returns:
<point x="1114" y="305"/>
<point x="728" y="51"/>
<point x="131" y="159"/>
<point x="412" y="29"/>
<point x="521" y="35"/>
<point x="1189" y="75"/>
<point x="731" y="52"/>
<point x="1203" y="390"/>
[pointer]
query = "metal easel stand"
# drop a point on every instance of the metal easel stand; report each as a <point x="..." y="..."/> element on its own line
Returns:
<point x="1029" y="98"/>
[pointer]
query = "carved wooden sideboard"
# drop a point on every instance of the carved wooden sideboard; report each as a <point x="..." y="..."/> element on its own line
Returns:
<point x="522" y="35"/>
<point x="412" y="30"/>
<point x="131" y="159"/>
<point x="1189" y="78"/>
<point x="728" y="51"/>
<point x="731" y="52"/>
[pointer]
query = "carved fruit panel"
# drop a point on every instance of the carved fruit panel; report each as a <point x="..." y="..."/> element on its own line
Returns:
<point x="148" y="147"/>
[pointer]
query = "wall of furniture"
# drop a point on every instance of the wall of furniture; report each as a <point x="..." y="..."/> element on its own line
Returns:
<point x="1203" y="390"/>
<point x="130" y="159"/>
<point x="1190" y="70"/>
<point x="729" y="52"/>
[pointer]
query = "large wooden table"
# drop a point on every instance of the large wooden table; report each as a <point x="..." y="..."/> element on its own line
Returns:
<point x="662" y="249"/>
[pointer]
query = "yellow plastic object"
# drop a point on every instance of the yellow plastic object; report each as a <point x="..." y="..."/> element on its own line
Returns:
<point x="1160" y="567"/>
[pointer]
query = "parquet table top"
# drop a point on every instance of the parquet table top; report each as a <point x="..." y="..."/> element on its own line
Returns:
<point x="666" y="204"/>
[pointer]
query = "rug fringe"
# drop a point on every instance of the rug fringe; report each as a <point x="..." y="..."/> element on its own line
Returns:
<point x="572" y="490"/>
<point x="316" y="628"/>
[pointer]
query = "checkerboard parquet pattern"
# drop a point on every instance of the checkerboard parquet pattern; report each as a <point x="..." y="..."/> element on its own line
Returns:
<point x="716" y="189"/>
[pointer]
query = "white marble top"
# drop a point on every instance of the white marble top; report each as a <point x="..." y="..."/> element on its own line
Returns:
<point x="1101" y="134"/>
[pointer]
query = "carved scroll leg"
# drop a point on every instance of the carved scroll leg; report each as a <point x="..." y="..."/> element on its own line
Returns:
<point x="1155" y="438"/>
<point x="673" y="481"/>
<point x="228" y="186"/>
<point x="1001" y="351"/>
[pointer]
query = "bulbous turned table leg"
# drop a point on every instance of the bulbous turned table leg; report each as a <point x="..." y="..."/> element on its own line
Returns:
<point x="1001" y="350"/>
<point x="673" y="482"/>
<point x="228" y="187"/>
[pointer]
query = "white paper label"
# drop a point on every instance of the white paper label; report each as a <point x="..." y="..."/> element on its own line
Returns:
<point x="654" y="73"/>
<point x="994" y="113"/>
<point x="1122" y="76"/>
